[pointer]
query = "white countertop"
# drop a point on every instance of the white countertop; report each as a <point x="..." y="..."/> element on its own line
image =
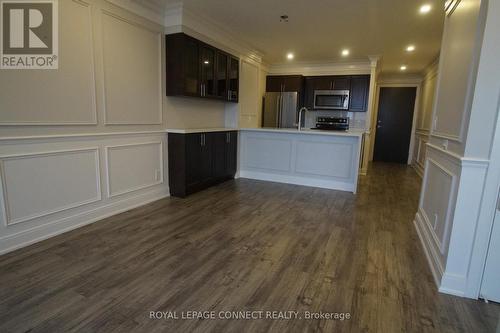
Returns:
<point x="353" y="132"/>
<point x="199" y="130"/>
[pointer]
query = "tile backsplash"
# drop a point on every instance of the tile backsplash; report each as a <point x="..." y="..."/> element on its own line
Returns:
<point x="356" y="119"/>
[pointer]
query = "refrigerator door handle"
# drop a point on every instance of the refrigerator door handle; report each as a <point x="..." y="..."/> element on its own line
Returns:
<point x="280" y="110"/>
<point x="277" y="111"/>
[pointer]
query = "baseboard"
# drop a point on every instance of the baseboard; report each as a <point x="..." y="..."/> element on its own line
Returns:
<point x="425" y="240"/>
<point x="296" y="180"/>
<point x="27" y="237"/>
<point x="418" y="169"/>
<point x="453" y="284"/>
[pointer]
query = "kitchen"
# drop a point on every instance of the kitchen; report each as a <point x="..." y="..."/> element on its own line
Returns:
<point x="294" y="166"/>
<point x="324" y="154"/>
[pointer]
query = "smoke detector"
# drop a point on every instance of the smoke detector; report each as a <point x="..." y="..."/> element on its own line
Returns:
<point x="284" y="18"/>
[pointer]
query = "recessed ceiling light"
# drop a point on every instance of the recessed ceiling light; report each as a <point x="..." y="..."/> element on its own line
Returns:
<point x="424" y="9"/>
<point x="403" y="68"/>
<point x="290" y="56"/>
<point x="410" y="48"/>
<point x="345" y="52"/>
<point x="206" y="62"/>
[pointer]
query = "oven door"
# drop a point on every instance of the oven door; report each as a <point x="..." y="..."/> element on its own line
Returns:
<point x="331" y="99"/>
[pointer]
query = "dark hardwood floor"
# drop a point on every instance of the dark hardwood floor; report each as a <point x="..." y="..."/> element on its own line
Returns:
<point x="243" y="245"/>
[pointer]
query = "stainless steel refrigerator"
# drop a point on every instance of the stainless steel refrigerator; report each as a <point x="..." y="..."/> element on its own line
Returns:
<point x="280" y="110"/>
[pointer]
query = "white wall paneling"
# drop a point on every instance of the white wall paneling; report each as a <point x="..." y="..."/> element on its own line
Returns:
<point x="457" y="70"/>
<point x="131" y="56"/>
<point x="446" y="215"/>
<point x="133" y="167"/>
<point x="36" y="185"/>
<point x="325" y="161"/>
<point x="250" y="98"/>
<point x="66" y="96"/>
<point x="436" y="207"/>
<point x="52" y="184"/>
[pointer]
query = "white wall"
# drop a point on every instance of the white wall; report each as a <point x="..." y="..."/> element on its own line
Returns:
<point x="457" y="202"/>
<point x="84" y="141"/>
<point x="88" y="140"/>
<point x="424" y="116"/>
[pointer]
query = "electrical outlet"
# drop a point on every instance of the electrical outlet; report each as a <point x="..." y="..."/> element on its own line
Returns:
<point x="444" y="144"/>
<point x="157" y="175"/>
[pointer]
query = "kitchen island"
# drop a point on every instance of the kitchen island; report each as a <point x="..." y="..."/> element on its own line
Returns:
<point x="325" y="159"/>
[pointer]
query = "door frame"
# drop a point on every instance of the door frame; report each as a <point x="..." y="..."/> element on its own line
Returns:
<point x="416" y="108"/>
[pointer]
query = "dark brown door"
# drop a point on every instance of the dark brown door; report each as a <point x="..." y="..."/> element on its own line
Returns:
<point x="207" y="58"/>
<point x="222" y="75"/>
<point x="231" y="153"/>
<point x="219" y="153"/>
<point x="293" y="83"/>
<point x="394" y="123"/>
<point x="274" y="84"/>
<point x="234" y="69"/>
<point x="359" y="93"/>
<point x="341" y="83"/>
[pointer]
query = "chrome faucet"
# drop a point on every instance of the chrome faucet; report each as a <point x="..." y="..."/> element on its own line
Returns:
<point x="299" y="125"/>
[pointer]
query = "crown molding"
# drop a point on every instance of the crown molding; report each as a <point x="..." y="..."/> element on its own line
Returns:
<point x="140" y="10"/>
<point x="216" y="34"/>
<point x="175" y="17"/>
<point x="399" y="79"/>
<point x="321" y="68"/>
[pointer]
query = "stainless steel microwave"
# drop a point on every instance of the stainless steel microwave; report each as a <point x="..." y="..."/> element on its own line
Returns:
<point x="331" y="99"/>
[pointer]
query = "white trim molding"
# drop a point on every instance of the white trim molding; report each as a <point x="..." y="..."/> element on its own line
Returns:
<point x="52" y="217"/>
<point x="449" y="255"/>
<point x="9" y="220"/>
<point x="107" y="150"/>
<point x="318" y="68"/>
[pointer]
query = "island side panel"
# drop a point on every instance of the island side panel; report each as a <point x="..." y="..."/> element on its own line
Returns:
<point x="325" y="161"/>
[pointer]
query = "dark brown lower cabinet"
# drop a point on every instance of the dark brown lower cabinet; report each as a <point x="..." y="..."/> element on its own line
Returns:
<point x="199" y="160"/>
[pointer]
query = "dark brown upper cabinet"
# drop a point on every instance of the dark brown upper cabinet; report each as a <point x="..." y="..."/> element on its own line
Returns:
<point x="182" y="65"/>
<point x="282" y="83"/>
<point x="358" y="86"/>
<point x="194" y="68"/>
<point x="207" y="71"/>
<point x="234" y="74"/>
<point x="222" y="75"/>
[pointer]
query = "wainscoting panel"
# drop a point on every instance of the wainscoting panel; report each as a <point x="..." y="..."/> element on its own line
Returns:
<point x="324" y="159"/>
<point x="56" y="97"/>
<point x="132" y="75"/>
<point x="133" y="167"/>
<point x="261" y="154"/>
<point x="436" y="203"/>
<point x="41" y="184"/>
<point x="53" y="184"/>
<point x="436" y="208"/>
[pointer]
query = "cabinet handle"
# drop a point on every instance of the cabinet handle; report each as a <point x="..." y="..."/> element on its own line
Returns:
<point x="204" y="139"/>
<point x="201" y="139"/>
<point x="228" y="138"/>
<point x="229" y="95"/>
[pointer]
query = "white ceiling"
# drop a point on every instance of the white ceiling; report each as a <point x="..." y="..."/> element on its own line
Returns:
<point x="318" y="29"/>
